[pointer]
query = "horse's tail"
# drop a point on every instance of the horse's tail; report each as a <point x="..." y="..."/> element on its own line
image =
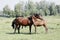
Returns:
<point x="13" y="24"/>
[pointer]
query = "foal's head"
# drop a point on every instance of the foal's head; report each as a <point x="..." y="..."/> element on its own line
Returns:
<point x="37" y="15"/>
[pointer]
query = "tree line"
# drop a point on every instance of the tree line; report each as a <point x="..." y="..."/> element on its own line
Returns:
<point x="25" y="9"/>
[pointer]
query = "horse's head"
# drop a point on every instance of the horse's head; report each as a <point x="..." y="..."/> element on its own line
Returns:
<point x="37" y="15"/>
<point x="34" y="15"/>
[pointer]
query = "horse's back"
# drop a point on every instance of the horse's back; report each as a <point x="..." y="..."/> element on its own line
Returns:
<point x="39" y="22"/>
<point x="23" y="21"/>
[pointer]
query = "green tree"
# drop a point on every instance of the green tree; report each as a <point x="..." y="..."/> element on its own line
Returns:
<point x="30" y="8"/>
<point x="58" y="9"/>
<point x="42" y="6"/>
<point x="6" y="10"/>
<point x="18" y="9"/>
<point x="53" y="9"/>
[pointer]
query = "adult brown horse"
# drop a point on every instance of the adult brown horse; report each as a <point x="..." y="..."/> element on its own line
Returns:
<point x="21" y="21"/>
<point x="39" y="22"/>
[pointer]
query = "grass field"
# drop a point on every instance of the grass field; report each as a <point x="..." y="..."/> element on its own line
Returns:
<point x="53" y="24"/>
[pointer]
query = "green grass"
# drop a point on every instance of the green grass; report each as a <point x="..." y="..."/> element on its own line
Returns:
<point x="53" y="24"/>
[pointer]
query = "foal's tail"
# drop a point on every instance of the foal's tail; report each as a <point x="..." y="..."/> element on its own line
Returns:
<point x="13" y="23"/>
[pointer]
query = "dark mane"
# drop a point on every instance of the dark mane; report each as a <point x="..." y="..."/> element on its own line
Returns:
<point x="36" y="14"/>
<point x="30" y="18"/>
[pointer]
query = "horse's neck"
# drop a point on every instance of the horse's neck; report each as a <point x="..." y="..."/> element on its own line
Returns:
<point x="30" y="18"/>
<point x="34" y="20"/>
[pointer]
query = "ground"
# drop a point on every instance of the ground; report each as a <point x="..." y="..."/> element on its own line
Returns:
<point x="53" y="24"/>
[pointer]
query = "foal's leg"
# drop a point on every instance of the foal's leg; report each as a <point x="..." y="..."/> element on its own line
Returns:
<point x="45" y="28"/>
<point x="35" y="29"/>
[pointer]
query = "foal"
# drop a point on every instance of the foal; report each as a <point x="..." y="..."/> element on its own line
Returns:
<point x="39" y="22"/>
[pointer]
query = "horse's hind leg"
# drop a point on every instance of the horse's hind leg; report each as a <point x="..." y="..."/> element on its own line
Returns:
<point x="45" y="28"/>
<point x="19" y="29"/>
<point x="15" y="29"/>
<point x="22" y="27"/>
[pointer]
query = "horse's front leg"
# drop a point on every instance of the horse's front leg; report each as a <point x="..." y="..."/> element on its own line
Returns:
<point x="30" y="29"/>
<point x="45" y="28"/>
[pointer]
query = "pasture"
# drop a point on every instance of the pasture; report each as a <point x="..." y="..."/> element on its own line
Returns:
<point x="53" y="24"/>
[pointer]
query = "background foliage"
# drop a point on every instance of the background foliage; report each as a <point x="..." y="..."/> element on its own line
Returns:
<point x="43" y="7"/>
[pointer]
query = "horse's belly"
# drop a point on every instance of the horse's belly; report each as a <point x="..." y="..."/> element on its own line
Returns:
<point x="25" y="22"/>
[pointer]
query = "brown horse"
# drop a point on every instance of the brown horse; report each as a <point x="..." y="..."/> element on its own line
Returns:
<point x="21" y="21"/>
<point x="39" y="22"/>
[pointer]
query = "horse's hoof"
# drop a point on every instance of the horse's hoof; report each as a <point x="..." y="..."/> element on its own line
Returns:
<point x="18" y="32"/>
<point x="14" y="32"/>
<point x="35" y="32"/>
<point x="46" y="32"/>
<point x="29" y="33"/>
